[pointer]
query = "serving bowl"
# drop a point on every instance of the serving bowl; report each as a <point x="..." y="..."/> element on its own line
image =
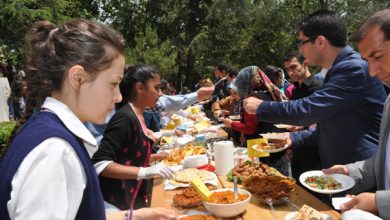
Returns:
<point x="228" y="210"/>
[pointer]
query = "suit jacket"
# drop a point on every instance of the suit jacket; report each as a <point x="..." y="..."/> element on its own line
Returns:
<point x="347" y="110"/>
<point x="371" y="172"/>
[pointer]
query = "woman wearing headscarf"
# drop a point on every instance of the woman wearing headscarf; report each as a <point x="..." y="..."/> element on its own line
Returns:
<point x="252" y="82"/>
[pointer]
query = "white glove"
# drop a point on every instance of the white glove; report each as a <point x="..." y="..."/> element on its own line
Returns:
<point x="159" y="169"/>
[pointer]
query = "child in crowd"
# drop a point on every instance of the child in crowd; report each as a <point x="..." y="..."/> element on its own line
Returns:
<point x="125" y="151"/>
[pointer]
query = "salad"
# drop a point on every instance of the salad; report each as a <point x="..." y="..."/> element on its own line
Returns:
<point x="323" y="182"/>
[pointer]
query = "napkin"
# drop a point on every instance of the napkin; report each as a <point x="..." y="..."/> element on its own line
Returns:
<point x="337" y="201"/>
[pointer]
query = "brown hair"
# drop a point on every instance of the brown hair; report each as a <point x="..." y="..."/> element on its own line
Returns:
<point x="54" y="50"/>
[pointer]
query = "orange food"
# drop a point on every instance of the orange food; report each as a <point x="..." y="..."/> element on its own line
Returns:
<point x="226" y="197"/>
<point x="188" y="198"/>
<point x="199" y="217"/>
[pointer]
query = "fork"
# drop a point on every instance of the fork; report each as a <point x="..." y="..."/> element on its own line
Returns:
<point x="235" y="189"/>
<point x="269" y="202"/>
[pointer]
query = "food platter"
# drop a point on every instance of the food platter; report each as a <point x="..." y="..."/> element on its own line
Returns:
<point x="269" y="148"/>
<point x="346" y="181"/>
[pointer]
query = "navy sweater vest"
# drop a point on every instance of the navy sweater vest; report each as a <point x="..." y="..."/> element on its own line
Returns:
<point x="40" y="127"/>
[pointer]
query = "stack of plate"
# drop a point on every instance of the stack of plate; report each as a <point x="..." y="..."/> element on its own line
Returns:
<point x="195" y="161"/>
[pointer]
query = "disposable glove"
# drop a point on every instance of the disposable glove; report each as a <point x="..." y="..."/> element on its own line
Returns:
<point x="159" y="169"/>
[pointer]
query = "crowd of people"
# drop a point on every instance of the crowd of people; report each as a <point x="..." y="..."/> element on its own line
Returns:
<point x="85" y="143"/>
<point x="13" y="90"/>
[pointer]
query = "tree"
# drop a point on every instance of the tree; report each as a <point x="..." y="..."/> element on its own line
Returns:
<point x="17" y="16"/>
<point x="150" y="51"/>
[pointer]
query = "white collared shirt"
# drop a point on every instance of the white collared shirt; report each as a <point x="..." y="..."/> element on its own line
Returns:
<point x="50" y="181"/>
<point x="323" y="72"/>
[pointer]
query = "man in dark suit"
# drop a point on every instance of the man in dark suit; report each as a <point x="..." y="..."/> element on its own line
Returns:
<point x="374" y="44"/>
<point x="347" y="108"/>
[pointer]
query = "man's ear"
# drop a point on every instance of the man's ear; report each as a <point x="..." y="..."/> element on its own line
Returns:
<point x="76" y="76"/>
<point x="321" y="41"/>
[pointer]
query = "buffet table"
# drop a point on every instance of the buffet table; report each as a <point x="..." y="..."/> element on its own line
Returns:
<point x="255" y="210"/>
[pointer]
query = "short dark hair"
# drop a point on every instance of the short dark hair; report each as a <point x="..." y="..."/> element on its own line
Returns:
<point x="232" y="72"/>
<point x="294" y="54"/>
<point x="326" y="23"/>
<point x="164" y="84"/>
<point x="223" y="66"/>
<point x="273" y="73"/>
<point x="380" y="19"/>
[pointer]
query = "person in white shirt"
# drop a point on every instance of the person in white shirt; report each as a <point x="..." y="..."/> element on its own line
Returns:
<point x="46" y="172"/>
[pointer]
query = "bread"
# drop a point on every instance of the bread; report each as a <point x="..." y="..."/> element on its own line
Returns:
<point x="308" y="213"/>
<point x="187" y="175"/>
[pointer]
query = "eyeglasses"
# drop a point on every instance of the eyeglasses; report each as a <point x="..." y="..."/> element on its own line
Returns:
<point x="300" y="44"/>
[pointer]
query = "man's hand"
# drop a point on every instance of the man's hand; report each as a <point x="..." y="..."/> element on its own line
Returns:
<point x="217" y="113"/>
<point x="340" y="169"/>
<point x="204" y="93"/>
<point x="363" y="201"/>
<point x="227" y="122"/>
<point x="251" y="104"/>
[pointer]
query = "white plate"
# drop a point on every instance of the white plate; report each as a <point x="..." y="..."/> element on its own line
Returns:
<point x="346" y="181"/>
<point x="271" y="150"/>
<point x="235" y="117"/>
<point x="357" y="214"/>
<point x="290" y="215"/>
<point x="278" y="136"/>
<point x="283" y="126"/>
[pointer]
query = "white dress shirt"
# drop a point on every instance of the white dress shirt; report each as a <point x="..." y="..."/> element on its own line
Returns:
<point x="49" y="183"/>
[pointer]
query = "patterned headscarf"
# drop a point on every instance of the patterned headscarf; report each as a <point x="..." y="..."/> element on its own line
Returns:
<point x="244" y="83"/>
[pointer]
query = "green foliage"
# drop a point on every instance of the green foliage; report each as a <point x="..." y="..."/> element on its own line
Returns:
<point x="17" y="16"/>
<point x="6" y="129"/>
<point x="150" y="51"/>
<point x="186" y="39"/>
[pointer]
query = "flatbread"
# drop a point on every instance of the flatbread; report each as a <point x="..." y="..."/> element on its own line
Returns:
<point x="187" y="175"/>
